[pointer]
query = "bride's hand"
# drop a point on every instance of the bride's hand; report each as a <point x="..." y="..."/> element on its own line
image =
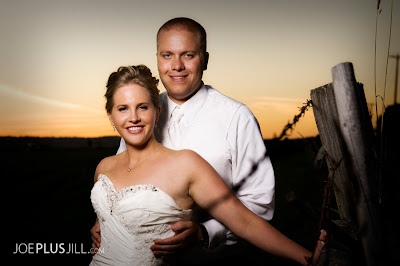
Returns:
<point x="318" y="248"/>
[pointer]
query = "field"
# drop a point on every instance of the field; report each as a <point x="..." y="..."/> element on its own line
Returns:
<point x="47" y="195"/>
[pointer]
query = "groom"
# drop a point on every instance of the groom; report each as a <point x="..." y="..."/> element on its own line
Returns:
<point x="223" y="131"/>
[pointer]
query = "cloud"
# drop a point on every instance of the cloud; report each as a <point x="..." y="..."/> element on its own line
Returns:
<point x="279" y="99"/>
<point x="25" y="114"/>
<point x="46" y="101"/>
<point x="278" y="105"/>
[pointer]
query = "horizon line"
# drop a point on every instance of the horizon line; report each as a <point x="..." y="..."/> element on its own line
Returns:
<point x="111" y="136"/>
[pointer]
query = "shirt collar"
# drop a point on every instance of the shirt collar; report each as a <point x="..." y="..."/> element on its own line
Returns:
<point x="192" y="106"/>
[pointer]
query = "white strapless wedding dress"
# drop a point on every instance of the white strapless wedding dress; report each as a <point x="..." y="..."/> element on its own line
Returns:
<point x="130" y="220"/>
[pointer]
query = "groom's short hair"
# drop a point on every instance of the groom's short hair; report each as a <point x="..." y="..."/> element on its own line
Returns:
<point x="182" y="23"/>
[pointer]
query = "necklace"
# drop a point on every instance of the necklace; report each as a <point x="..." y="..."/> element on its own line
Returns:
<point x="130" y="168"/>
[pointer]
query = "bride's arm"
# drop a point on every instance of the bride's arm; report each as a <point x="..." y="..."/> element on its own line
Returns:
<point x="211" y="193"/>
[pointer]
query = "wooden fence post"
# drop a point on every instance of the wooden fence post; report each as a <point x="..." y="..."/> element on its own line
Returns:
<point x="327" y="120"/>
<point x="355" y="129"/>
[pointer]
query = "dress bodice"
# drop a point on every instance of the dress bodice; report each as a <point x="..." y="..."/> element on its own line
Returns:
<point x="130" y="220"/>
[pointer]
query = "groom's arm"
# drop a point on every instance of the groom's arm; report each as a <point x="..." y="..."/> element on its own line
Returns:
<point x="253" y="179"/>
<point x="252" y="171"/>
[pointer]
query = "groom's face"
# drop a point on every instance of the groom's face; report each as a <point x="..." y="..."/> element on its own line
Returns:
<point x="180" y="63"/>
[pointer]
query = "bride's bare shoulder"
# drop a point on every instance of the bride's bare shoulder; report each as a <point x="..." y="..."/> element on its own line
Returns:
<point x="106" y="165"/>
<point x="188" y="158"/>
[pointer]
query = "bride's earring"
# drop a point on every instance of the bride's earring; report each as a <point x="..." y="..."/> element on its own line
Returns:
<point x="113" y="128"/>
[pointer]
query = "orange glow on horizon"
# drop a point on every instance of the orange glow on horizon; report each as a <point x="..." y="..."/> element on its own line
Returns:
<point x="272" y="119"/>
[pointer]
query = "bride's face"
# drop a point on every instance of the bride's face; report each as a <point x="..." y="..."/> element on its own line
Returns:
<point x="133" y="114"/>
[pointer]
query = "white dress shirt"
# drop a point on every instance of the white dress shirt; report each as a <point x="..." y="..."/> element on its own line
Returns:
<point x="226" y="134"/>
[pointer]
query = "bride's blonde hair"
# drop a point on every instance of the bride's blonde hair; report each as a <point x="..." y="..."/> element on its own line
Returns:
<point x="140" y="75"/>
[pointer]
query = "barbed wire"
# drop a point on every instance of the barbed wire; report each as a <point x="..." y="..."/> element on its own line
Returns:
<point x="296" y="118"/>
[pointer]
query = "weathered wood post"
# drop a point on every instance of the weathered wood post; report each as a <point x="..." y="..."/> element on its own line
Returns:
<point x="350" y="102"/>
<point x="327" y="120"/>
<point x="345" y="129"/>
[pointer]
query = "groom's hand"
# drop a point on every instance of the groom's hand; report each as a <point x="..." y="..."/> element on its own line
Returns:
<point x="186" y="234"/>
<point x="95" y="233"/>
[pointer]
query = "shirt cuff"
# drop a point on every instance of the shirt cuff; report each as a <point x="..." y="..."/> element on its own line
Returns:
<point x="216" y="232"/>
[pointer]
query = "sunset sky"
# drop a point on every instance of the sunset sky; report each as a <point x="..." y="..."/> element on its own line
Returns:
<point x="56" y="56"/>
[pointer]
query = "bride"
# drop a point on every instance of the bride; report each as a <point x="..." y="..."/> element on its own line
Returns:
<point x="139" y="193"/>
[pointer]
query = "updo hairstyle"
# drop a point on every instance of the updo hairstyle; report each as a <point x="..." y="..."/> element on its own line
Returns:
<point x="140" y="75"/>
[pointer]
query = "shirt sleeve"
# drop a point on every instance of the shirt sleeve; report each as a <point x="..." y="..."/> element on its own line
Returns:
<point x="252" y="173"/>
<point x="253" y="179"/>
<point x="122" y="146"/>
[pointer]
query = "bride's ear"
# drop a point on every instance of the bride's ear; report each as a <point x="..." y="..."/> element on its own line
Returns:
<point x="109" y="117"/>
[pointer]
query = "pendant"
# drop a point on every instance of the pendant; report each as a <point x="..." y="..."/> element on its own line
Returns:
<point x="129" y="169"/>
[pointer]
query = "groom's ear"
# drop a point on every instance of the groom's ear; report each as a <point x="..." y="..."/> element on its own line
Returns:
<point x="205" y="62"/>
<point x="158" y="113"/>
